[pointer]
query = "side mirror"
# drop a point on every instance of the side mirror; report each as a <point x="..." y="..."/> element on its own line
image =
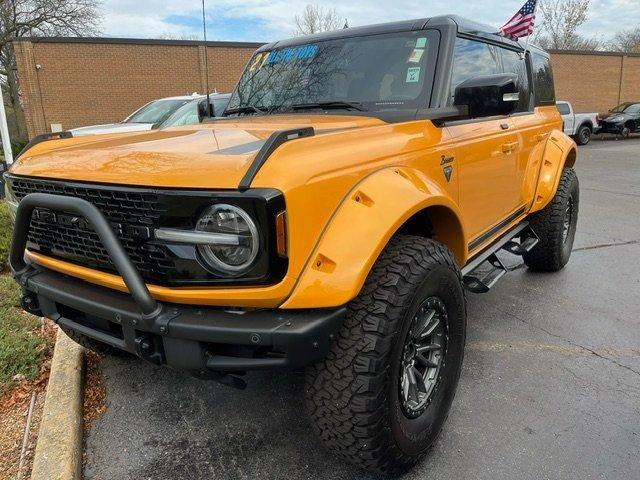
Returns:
<point x="204" y="112"/>
<point x="488" y="95"/>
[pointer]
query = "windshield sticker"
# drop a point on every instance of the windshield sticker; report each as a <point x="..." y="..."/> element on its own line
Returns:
<point x="413" y="75"/>
<point x="303" y="52"/>
<point x="415" y="56"/>
<point x="421" y="42"/>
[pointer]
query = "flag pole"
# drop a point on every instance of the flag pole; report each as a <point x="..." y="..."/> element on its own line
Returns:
<point x="4" y="131"/>
<point x="526" y="47"/>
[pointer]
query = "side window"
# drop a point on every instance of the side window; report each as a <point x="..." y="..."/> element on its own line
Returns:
<point x="542" y="79"/>
<point x="471" y="59"/>
<point x="563" y="108"/>
<point x="512" y="62"/>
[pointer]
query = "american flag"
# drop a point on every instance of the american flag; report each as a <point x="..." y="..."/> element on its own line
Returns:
<point x="521" y="24"/>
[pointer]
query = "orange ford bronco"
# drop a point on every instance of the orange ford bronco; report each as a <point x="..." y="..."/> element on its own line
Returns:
<point x="360" y="181"/>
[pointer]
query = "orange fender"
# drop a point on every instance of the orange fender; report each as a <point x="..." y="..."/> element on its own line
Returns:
<point x="367" y="218"/>
<point x="560" y="152"/>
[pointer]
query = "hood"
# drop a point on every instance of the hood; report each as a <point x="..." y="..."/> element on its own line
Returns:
<point x="211" y="155"/>
<point x="616" y="117"/>
<point x="111" y="128"/>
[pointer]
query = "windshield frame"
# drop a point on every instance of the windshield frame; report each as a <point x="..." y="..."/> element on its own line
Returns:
<point x="379" y="108"/>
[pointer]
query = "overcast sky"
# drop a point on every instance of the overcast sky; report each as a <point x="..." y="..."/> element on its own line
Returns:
<point x="265" y="20"/>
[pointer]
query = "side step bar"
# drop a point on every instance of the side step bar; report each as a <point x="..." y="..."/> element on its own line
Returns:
<point x="517" y="241"/>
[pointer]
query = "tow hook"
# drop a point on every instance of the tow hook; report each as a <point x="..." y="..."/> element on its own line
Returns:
<point x="29" y="303"/>
<point x="150" y="349"/>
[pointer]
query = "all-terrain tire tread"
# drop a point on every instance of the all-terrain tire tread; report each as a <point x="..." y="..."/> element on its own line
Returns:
<point x="347" y="393"/>
<point x="547" y="223"/>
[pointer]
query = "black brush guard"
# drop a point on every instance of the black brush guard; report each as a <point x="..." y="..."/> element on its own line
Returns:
<point x="203" y="341"/>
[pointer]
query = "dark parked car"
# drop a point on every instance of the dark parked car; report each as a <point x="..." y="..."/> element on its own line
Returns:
<point x="622" y="120"/>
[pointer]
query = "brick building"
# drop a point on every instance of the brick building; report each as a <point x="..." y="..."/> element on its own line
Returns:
<point x="87" y="81"/>
<point x="596" y="81"/>
<point x="84" y="81"/>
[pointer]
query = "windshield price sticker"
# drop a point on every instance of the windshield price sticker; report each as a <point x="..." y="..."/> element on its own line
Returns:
<point x="413" y="75"/>
<point x="258" y="61"/>
<point x="303" y="52"/>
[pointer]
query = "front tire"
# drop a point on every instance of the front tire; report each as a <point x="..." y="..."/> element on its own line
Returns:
<point x="555" y="225"/>
<point x="626" y="132"/>
<point x="412" y="305"/>
<point x="583" y="136"/>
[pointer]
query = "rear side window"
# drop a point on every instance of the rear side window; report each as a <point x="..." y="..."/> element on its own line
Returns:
<point x="542" y="79"/>
<point x="512" y="62"/>
<point x="563" y="108"/>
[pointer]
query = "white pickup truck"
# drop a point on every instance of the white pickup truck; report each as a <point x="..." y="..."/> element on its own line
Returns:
<point x="580" y="126"/>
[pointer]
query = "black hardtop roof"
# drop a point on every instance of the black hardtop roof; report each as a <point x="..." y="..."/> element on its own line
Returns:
<point x="463" y="25"/>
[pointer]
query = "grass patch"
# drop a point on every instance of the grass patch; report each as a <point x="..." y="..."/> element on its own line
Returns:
<point x="5" y="235"/>
<point x="22" y="347"/>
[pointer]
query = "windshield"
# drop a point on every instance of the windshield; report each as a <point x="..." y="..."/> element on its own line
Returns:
<point x="188" y="113"/>
<point x="627" y="108"/>
<point x="155" y="111"/>
<point x="377" y="72"/>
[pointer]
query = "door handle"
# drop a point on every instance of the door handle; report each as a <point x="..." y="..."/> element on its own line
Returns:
<point x="509" y="147"/>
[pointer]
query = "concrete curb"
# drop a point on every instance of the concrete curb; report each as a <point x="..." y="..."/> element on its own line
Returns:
<point x="58" y="453"/>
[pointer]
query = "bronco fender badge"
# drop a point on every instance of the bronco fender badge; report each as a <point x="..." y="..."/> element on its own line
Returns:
<point x="448" y="169"/>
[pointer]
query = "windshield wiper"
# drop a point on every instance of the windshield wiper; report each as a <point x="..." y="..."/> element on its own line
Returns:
<point x="243" y="109"/>
<point x="335" y="104"/>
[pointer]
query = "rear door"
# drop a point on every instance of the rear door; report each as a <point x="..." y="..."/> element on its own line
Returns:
<point x="528" y="125"/>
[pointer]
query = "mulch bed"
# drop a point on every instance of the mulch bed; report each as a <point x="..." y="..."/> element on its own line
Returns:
<point x="14" y="406"/>
<point x="95" y="392"/>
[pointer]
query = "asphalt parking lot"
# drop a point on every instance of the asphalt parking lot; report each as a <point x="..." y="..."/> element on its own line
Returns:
<point x="550" y="386"/>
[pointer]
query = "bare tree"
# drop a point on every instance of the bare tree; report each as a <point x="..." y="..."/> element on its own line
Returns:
<point x="561" y="20"/>
<point x="23" y="18"/>
<point x="627" y="41"/>
<point x="316" y="19"/>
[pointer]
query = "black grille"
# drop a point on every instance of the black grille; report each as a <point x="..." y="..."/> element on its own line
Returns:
<point x="130" y="211"/>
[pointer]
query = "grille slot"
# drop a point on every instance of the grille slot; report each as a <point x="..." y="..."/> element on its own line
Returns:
<point x="81" y="245"/>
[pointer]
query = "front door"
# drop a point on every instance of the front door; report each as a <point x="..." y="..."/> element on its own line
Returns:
<point x="490" y="150"/>
<point x="488" y="165"/>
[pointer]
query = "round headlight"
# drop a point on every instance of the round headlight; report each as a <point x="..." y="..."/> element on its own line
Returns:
<point x="229" y="260"/>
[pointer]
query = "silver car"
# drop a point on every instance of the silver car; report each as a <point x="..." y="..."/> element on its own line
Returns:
<point x="192" y="112"/>
<point x="145" y="118"/>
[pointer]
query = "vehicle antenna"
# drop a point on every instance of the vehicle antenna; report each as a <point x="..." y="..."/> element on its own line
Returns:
<point x="206" y="62"/>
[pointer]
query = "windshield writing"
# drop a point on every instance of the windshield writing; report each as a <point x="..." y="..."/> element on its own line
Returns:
<point x="360" y="73"/>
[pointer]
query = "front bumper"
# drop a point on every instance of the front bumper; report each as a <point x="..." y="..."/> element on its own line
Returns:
<point x="616" y="128"/>
<point x="205" y="342"/>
